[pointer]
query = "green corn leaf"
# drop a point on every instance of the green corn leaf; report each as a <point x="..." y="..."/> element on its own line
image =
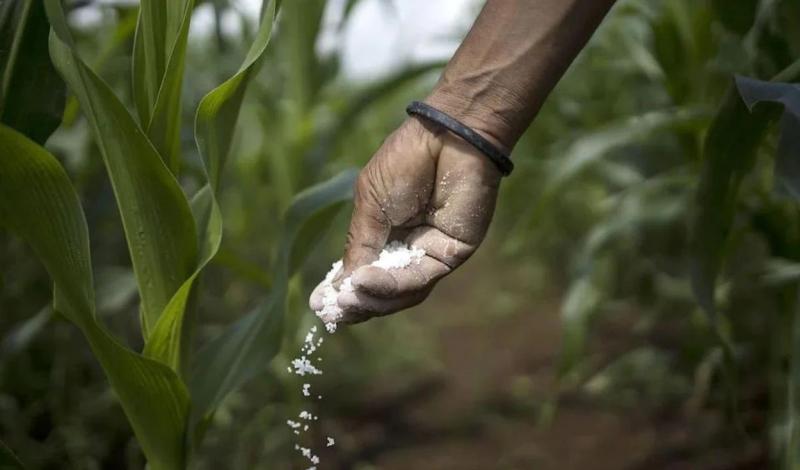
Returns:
<point x="38" y="203"/>
<point x="156" y="216"/>
<point x="112" y="48"/>
<point x="9" y="460"/>
<point x="308" y="217"/>
<point x="247" y="346"/>
<point x="787" y="174"/>
<point x="786" y="95"/>
<point x="216" y="117"/>
<point x="300" y="25"/>
<point x="158" y="29"/>
<point x="165" y="342"/>
<point x="589" y="149"/>
<point x="219" y="109"/>
<point x="32" y="95"/>
<point x="584" y="296"/>
<point x="729" y="154"/>
<point x="651" y="202"/>
<point x="20" y="336"/>
<point x="159" y="57"/>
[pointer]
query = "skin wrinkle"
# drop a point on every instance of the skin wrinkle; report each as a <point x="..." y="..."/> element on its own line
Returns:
<point x="425" y="238"/>
<point x="511" y="59"/>
<point x="429" y="188"/>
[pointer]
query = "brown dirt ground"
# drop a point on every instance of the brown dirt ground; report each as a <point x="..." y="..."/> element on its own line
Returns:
<point x="481" y="411"/>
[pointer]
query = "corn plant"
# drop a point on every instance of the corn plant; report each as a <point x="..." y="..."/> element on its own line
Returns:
<point x="167" y="391"/>
<point x="617" y="195"/>
<point x="727" y="164"/>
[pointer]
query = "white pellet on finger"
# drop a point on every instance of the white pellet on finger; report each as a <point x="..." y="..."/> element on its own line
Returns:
<point x="395" y="255"/>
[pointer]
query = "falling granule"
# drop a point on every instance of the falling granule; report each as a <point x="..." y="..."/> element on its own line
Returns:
<point x="395" y="255"/>
<point x="294" y="425"/>
<point x="306" y="415"/>
<point x="303" y="366"/>
<point x="306" y="452"/>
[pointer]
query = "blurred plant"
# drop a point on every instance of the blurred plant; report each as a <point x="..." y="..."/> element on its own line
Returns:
<point x="167" y="396"/>
<point x="41" y="417"/>
<point x="626" y="190"/>
<point x="604" y="207"/>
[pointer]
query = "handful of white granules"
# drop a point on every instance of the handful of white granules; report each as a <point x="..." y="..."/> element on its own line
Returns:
<point x="395" y="255"/>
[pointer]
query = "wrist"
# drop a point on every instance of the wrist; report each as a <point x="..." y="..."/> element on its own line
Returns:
<point x="490" y="110"/>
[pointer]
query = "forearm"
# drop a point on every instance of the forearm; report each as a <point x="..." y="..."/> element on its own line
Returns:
<point x="513" y="56"/>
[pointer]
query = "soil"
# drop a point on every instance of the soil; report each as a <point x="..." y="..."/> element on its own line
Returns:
<point x="486" y="407"/>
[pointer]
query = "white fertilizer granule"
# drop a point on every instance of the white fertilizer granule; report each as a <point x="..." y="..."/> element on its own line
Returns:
<point x="395" y="255"/>
<point x="302" y="366"/>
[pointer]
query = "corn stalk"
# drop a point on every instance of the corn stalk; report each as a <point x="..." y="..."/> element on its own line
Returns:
<point x="171" y="235"/>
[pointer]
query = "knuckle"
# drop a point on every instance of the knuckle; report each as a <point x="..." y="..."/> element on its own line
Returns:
<point x="363" y="180"/>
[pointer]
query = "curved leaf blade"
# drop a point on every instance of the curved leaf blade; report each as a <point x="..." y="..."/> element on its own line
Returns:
<point x="787" y="95"/>
<point x="165" y="342"/>
<point x="38" y="203"/>
<point x="158" y="64"/>
<point x="158" y="27"/>
<point x="726" y="162"/>
<point x="156" y="217"/>
<point x="787" y="174"/>
<point x="247" y="346"/>
<point x="219" y="110"/>
<point x="216" y="118"/>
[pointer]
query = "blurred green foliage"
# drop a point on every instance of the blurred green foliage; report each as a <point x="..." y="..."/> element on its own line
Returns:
<point x="599" y="209"/>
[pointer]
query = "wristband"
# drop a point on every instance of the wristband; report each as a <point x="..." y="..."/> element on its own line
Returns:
<point x="500" y="159"/>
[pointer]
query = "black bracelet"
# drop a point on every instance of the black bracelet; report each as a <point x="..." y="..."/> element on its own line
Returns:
<point x="500" y="159"/>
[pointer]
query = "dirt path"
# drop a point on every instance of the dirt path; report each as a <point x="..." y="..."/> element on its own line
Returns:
<point x="482" y="410"/>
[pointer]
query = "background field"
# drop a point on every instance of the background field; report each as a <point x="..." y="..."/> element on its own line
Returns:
<point x="571" y="340"/>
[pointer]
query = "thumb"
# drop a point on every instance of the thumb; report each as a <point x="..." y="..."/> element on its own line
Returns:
<point x="368" y="232"/>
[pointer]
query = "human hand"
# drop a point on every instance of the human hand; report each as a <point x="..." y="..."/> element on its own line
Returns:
<point x="427" y="188"/>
